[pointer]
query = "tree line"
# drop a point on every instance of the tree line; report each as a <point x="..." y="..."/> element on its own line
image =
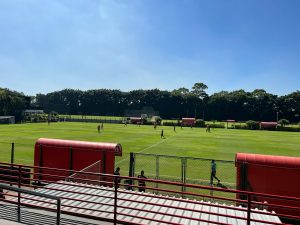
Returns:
<point x="182" y="102"/>
<point x="13" y="103"/>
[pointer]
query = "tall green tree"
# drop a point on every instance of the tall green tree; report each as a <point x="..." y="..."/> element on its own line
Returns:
<point x="12" y="103"/>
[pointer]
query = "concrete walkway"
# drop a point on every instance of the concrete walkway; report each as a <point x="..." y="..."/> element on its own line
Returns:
<point x="7" y="222"/>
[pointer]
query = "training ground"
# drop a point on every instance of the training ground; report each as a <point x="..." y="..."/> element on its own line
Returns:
<point x="219" y="144"/>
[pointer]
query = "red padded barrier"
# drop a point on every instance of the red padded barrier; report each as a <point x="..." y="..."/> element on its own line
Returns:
<point x="74" y="155"/>
<point x="278" y="175"/>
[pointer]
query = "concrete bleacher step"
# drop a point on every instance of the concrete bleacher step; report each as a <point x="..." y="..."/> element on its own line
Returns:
<point x="131" y="205"/>
<point x="7" y="222"/>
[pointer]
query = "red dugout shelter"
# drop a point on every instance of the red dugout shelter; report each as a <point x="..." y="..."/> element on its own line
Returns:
<point x="278" y="175"/>
<point x="73" y="155"/>
<point x="268" y="125"/>
<point x="188" y="121"/>
<point x="229" y="121"/>
<point x="136" y="120"/>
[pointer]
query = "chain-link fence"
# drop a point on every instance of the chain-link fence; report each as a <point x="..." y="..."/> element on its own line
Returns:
<point x="16" y="153"/>
<point x="185" y="170"/>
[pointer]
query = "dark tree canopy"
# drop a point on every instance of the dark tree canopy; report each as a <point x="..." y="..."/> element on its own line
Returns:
<point x="238" y="105"/>
<point x="12" y="103"/>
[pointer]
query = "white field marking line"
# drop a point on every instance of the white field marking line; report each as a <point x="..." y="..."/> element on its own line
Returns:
<point x="151" y="146"/>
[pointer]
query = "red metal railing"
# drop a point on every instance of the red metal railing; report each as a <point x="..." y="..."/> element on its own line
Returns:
<point x="119" y="208"/>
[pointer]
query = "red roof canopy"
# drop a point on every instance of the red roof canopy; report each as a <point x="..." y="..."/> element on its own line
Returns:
<point x="190" y="119"/>
<point x="98" y="146"/>
<point x="268" y="124"/>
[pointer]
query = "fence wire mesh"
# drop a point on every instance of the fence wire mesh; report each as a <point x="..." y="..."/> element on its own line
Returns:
<point x="87" y="178"/>
<point x="185" y="170"/>
<point x="5" y="150"/>
<point x="17" y="153"/>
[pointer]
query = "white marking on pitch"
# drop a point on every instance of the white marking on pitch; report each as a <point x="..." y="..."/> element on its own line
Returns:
<point x="151" y="146"/>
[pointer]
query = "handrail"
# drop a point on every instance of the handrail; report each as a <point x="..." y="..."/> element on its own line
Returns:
<point x="117" y="193"/>
<point x="155" y="181"/>
<point x="24" y="191"/>
<point x="183" y="157"/>
<point x="12" y="188"/>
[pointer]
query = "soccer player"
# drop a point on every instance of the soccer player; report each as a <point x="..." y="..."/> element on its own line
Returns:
<point x="208" y="128"/>
<point x="213" y="172"/>
<point x="162" y="134"/>
<point x="142" y="183"/>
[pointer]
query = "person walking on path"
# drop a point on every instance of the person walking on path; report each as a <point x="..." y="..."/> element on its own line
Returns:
<point x="142" y="183"/>
<point x="213" y="172"/>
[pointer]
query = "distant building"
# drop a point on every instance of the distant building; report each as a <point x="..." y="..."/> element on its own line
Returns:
<point x="7" y="119"/>
<point x="29" y="112"/>
<point x="149" y="111"/>
<point x="188" y="121"/>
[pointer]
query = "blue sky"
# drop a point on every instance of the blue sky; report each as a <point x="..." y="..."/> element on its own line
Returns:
<point x="49" y="45"/>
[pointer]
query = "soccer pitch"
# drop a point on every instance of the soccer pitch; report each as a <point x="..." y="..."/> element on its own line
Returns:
<point x="220" y="144"/>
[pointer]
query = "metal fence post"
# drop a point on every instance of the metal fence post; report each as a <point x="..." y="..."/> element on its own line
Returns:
<point x="58" y="211"/>
<point x="19" y="194"/>
<point x="249" y="209"/>
<point x="12" y="161"/>
<point x="12" y="153"/>
<point x="183" y="174"/>
<point x="131" y="169"/>
<point x="157" y="171"/>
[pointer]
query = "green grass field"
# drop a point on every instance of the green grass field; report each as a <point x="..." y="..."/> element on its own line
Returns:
<point x="220" y="144"/>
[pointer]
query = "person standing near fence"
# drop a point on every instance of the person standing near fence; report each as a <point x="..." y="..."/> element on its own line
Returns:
<point x="142" y="183"/>
<point x="213" y="172"/>
<point x="98" y="127"/>
<point x="117" y="173"/>
<point x="2" y="196"/>
<point x="101" y="126"/>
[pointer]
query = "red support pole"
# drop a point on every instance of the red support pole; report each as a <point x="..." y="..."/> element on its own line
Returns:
<point x="19" y="193"/>
<point x="116" y="199"/>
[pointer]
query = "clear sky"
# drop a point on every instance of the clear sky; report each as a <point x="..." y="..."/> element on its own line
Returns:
<point x="49" y="45"/>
